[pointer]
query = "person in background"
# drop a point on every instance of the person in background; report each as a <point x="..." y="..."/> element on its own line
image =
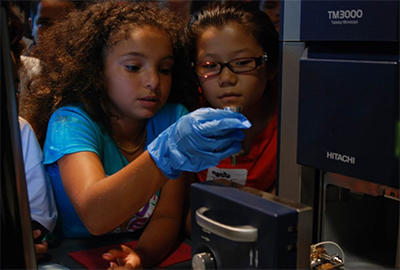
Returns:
<point x="50" y="11"/>
<point x="115" y="140"/>
<point x="233" y="49"/>
<point x="42" y="15"/>
<point x="273" y="10"/>
<point x="40" y="195"/>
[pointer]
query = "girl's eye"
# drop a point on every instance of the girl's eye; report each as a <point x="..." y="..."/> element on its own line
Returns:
<point x="166" y="71"/>
<point x="243" y="62"/>
<point x="132" y="68"/>
<point x="208" y="65"/>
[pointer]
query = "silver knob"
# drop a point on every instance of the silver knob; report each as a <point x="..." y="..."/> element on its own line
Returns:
<point x="203" y="261"/>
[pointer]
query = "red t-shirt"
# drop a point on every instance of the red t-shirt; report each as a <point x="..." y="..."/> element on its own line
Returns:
<point x="257" y="169"/>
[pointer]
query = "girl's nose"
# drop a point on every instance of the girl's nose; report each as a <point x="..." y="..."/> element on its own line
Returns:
<point x="227" y="77"/>
<point x="152" y="80"/>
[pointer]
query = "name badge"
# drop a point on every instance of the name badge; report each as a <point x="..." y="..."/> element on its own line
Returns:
<point x="238" y="176"/>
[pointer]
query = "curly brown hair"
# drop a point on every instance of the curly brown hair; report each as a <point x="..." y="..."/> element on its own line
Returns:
<point x="73" y="53"/>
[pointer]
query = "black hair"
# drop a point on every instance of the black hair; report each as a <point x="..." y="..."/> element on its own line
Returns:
<point x="255" y="22"/>
<point x="247" y="15"/>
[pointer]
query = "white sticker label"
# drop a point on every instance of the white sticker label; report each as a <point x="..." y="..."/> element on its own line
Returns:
<point x="238" y="176"/>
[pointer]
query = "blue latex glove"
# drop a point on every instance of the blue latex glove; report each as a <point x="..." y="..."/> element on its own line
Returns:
<point x="198" y="140"/>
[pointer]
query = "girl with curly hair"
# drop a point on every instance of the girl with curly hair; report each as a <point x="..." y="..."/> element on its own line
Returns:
<point x="113" y="137"/>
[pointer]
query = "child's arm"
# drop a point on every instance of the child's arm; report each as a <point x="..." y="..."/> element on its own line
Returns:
<point x="104" y="202"/>
<point x="195" y="142"/>
<point x="161" y="234"/>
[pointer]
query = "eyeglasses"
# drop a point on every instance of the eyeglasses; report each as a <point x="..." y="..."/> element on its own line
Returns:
<point x="238" y="65"/>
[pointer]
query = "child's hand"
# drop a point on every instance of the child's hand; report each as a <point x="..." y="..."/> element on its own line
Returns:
<point x="125" y="258"/>
<point x="198" y="140"/>
<point x="40" y="248"/>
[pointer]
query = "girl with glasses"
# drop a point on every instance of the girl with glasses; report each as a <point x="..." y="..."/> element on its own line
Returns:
<point x="233" y="50"/>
